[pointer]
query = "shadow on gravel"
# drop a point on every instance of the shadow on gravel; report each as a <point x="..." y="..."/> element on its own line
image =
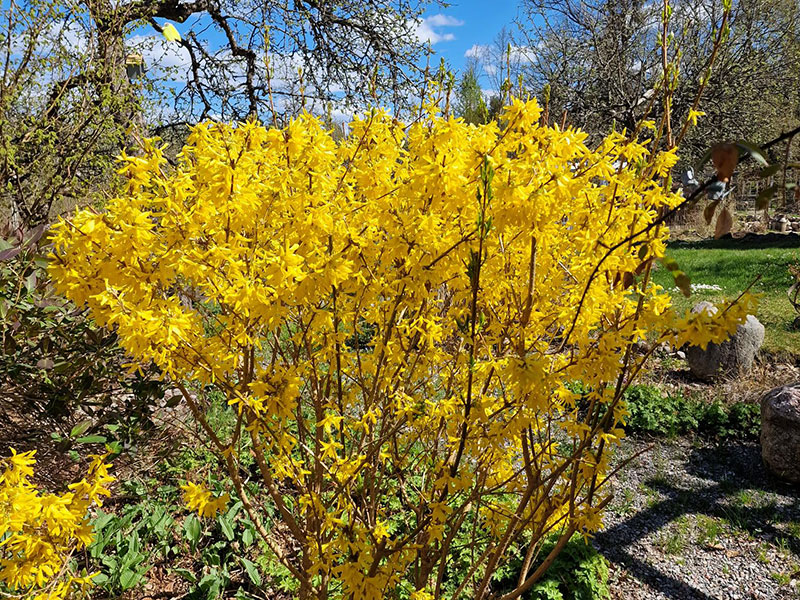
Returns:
<point x="733" y="471"/>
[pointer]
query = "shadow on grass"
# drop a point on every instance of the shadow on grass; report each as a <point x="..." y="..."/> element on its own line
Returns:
<point x="735" y="470"/>
<point x="749" y="241"/>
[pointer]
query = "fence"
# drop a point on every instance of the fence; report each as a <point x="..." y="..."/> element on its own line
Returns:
<point x="747" y="187"/>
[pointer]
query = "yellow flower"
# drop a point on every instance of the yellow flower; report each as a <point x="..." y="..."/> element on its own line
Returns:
<point x="199" y="499"/>
<point x="694" y="114"/>
<point x="41" y="531"/>
<point x="398" y="316"/>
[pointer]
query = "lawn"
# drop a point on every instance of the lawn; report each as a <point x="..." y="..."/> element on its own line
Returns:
<point x="733" y="268"/>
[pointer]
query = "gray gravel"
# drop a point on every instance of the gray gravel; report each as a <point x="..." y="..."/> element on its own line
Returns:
<point x="695" y="520"/>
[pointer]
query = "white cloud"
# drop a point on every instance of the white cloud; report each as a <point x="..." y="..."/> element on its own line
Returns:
<point x="519" y="54"/>
<point x="430" y="28"/>
<point x="478" y="51"/>
<point x="441" y="20"/>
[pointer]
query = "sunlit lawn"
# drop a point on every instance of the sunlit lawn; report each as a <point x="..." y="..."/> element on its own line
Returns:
<point x="733" y="270"/>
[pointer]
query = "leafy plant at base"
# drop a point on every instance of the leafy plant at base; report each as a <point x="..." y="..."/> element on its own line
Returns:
<point x="495" y="265"/>
<point x="578" y="573"/>
<point x="213" y="555"/>
<point x="652" y="411"/>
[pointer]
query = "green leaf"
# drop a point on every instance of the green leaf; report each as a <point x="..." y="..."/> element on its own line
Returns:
<point x="211" y="584"/>
<point x="683" y="283"/>
<point x="191" y="527"/>
<point x="227" y="527"/>
<point x="769" y="171"/>
<point x="186" y="574"/>
<point x="247" y="536"/>
<point x="80" y="428"/>
<point x="42" y="262"/>
<point x="252" y="571"/>
<point x="128" y="579"/>
<point x="753" y="150"/>
<point x="234" y="510"/>
<point x="670" y="264"/>
<point x="92" y="439"/>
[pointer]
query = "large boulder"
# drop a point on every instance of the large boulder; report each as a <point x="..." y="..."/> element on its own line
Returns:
<point x="734" y="356"/>
<point x="780" y="431"/>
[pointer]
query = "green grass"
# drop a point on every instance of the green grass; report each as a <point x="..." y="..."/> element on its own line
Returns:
<point x="733" y="269"/>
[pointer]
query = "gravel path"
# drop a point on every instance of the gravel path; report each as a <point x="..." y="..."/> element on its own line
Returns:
<point x="693" y="520"/>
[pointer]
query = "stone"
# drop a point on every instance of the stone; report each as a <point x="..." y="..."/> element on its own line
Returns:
<point x="780" y="431"/>
<point x="732" y="357"/>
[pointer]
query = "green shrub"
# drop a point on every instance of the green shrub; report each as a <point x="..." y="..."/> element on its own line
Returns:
<point x="744" y="420"/>
<point x="653" y="412"/>
<point x="714" y="418"/>
<point x="52" y="356"/>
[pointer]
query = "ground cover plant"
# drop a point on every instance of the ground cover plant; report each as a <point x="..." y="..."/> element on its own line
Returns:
<point x="655" y="412"/>
<point x="396" y="318"/>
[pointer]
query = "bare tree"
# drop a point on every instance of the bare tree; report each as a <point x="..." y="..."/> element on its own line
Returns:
<point x="256" y="58"/>
<point x="602" y="61"/>
<point x="74" y="91"/>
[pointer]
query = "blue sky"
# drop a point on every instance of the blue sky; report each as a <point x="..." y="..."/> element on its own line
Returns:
<point x="454" y="29"/>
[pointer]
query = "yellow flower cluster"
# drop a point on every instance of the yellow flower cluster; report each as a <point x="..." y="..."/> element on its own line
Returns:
<point x="399" y="318"/>
<point x="39" y="532"/>
<point x="198" y="498"/>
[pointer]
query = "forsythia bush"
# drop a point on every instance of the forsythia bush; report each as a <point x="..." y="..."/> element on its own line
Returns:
<point x="39" y="532"/>
<point x="399" y="319"/>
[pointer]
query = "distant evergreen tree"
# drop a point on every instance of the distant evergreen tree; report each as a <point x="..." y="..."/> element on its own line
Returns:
<point x="470" y="104"/>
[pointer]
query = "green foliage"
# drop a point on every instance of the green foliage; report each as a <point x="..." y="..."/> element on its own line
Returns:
<point x="578" y="573"/>
<point x="216" y="557"/>
<point x="470" y="104"/>
<point x="656" y="413"/>
<point x="744" y="419"/>
<point x="653" y="412"/>
<point x="52" y="356"/>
